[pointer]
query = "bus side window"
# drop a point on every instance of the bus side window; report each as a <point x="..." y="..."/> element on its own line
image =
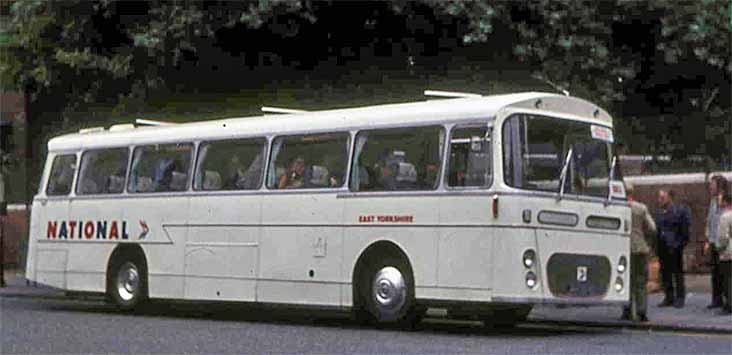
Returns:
<point x="397" y="159"/>
<point x="308" y="162"/>
<point x="62" y="175"/>
<point x="160" y="168"/>
<point x="103" y="171"/>
<point x="470" y="158"/>
<point x="230" y="165"/>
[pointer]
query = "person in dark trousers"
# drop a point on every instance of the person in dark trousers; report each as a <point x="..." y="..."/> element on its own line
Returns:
<point x="718" y="186"/>
<point x="642" y="238"/>
<point x="725" y="253"/>
<point x="672" y="221"/>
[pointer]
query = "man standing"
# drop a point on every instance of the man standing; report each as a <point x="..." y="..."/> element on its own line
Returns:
<point x="725" y="253"/>
<point x="672" y="221"/>
<point x="641" y="240"/>
<point x="717" y="187"/>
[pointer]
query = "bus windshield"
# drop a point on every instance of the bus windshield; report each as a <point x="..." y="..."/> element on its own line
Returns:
<point x="535" y="149"/>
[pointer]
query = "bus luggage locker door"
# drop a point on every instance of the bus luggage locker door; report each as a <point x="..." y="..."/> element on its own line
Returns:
<point x="222" y="247"/>
<point x="301" y="249"/>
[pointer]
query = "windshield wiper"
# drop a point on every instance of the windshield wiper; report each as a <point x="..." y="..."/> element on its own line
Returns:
<point x="610" y="180"/>
<point x="563" y="174"/>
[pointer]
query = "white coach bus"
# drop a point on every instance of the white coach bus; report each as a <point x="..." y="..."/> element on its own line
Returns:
<point x="483" y="205"/>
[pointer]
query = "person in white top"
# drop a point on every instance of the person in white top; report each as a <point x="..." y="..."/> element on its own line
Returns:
<point x="725" y="253"/>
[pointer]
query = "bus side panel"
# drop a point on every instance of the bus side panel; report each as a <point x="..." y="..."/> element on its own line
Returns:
<point x="33" y="234"/>
<point x="509" y="272"/>
<point x="50" y="254"/>
<point x="409" y="222"/>
<point x="159" y="225"/>
<point x="301" y="249"/>
<point x="465" y="259"/>
<point x="222" y="247"/>
<point x="87" y="266"/>
<point x="89" y="253"/>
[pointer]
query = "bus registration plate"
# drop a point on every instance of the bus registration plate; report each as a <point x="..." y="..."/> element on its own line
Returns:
<point x="582" y="273"/>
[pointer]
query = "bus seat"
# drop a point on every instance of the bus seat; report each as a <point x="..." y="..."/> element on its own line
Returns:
<point x="179" y="181"/>
<point x="88" y="186"/>
<point x="319" y="176"/>
<point x="406" y="172"/>
<point x="115" y="183"/>
<point x="144" y="184"/>
<point x="363" y="176"/>
<point x="211" y="180"/>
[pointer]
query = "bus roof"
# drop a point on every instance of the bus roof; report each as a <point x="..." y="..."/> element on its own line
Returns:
<point x="422" y="112"/>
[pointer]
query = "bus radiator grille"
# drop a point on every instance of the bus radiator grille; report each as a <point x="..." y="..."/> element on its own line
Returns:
<point x="577" y="275"/>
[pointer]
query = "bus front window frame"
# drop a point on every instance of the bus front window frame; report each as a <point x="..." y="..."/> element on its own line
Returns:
<point x="514" y="135"/>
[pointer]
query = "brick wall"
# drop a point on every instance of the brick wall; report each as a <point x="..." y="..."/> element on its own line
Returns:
<point x="690" y="190"/>
<point x="15" y="227"/>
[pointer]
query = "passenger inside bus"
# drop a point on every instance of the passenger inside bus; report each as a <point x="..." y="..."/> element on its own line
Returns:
<point x="395" y="172"/>
<point x="89" y="183"/>
<point x="294" y="177"/>
<point x="241" y="177"/>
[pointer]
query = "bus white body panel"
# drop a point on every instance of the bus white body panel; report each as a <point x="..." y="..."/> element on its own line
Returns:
<point x="302" y="246"/>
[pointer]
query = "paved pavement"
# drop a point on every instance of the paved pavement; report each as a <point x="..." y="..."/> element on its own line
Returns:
<point x="694" y="316"/>
<point x="56" y="325"/>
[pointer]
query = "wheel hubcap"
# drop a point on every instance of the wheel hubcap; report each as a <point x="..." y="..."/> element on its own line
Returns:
<point x="128" y="282"/>
<point x="389" y="292"/>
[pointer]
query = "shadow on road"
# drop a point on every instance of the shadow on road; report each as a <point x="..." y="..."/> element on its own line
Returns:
<point x="291" y="316"/>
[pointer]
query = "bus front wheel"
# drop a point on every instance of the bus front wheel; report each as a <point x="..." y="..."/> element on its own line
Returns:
<point x="127" y="283"/>
<point x="388" y="292"/>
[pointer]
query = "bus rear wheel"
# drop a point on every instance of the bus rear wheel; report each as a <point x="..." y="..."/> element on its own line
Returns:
<point x="127" y="283"/>
<point x="387" y="291"/>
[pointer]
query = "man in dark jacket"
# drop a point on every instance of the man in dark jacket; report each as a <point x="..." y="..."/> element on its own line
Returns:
<point x="672" y="221"/>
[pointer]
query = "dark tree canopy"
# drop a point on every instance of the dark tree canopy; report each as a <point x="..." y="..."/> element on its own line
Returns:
<point x="638" y="58"/>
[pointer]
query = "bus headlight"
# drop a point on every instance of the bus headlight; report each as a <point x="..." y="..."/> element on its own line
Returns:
<point x="618" y="284"/>
<point x="622" y="264"/>
<point x="530" y="279"/>
<point x="529" y="258"/>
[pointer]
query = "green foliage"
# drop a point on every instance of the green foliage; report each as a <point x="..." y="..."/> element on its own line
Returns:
<point x="80" y="51"/>
<point x="571" y="41"/>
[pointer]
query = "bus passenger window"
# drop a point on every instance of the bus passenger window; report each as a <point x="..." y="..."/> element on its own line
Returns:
<point x="102" y="171"/>
<point x="308" y="162"/>
<point x="470" y="158"/>
<point x="160" y="168"/>
<point x="62" y="175"/>
<point x="397" y="159"/>
<point x="230" y="165"/>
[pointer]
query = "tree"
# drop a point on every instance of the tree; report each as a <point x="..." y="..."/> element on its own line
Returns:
<point x="587" y="49"/>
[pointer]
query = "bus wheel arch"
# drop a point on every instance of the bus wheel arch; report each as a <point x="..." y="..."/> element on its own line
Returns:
<point x="127" y="277"/>
<point x="386" y="264"/>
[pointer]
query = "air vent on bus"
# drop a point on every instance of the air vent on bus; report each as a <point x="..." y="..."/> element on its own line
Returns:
<point x="269" y="109"/>
<point x="91" y="130"/>
<point x="450" y="94"/>
<point x="121" y="127"/>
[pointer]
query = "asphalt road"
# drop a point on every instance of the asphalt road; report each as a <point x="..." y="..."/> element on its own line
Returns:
<point x="37" y="325"/>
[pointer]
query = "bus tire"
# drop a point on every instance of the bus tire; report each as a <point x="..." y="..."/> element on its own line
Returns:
<point x="506" y="317"/>
<point x="387" y="292"/>
<point x="127" y="281"/>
